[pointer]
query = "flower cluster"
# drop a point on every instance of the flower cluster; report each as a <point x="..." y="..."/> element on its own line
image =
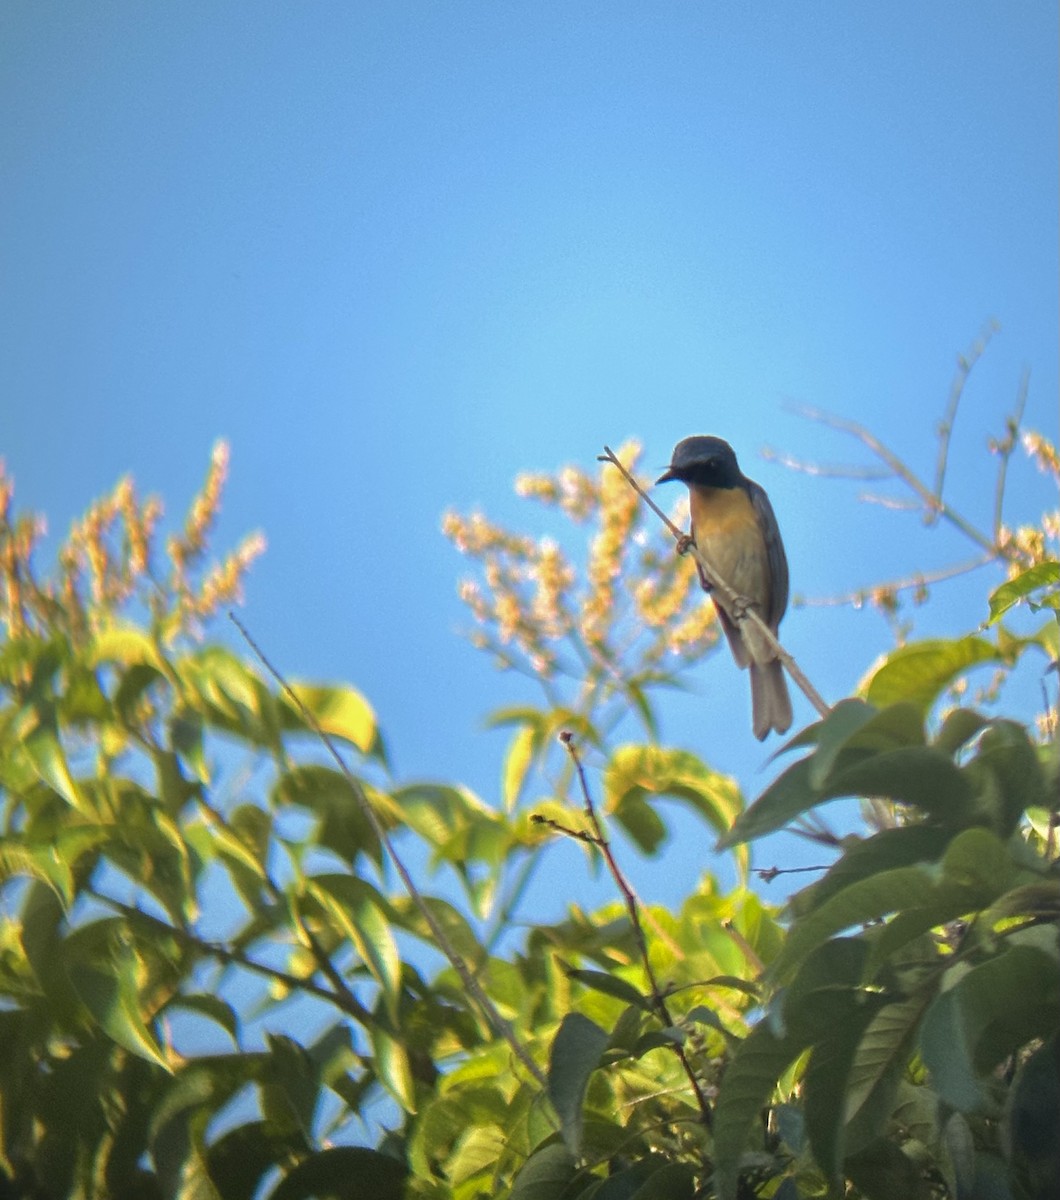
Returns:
<point x="632" y="606"/>
<point x="106" y="563"/>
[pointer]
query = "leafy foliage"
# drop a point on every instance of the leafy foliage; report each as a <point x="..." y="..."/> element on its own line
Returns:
<point x="212" y="985"/>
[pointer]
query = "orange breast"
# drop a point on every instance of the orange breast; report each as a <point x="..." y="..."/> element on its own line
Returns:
<point x="726" y="529"/>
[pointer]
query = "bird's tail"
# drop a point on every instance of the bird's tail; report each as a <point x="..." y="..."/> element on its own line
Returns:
<point x="770" y="702"/>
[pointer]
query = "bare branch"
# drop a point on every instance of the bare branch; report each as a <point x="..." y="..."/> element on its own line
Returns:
<point x="933" y="505"/>
<point x="599" y="840"/>
<point x="824" y="470"/>
<point x="1005" y="448"/>
<point x="906" y="583"/>
<point x="965" y="363"/>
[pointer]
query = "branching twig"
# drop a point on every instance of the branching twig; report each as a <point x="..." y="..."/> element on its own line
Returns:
<point x="908" y="583"/>
<point x="965" y="363"/>
<point x="768" y="874"/>
<point x="1006" y="447"/>
<point x="346" y="1002"/>
<point x="731" y="598"/>
<point x="934" y="506"/>
<point x="474" y="989"/>
<point x="598" y="839"/>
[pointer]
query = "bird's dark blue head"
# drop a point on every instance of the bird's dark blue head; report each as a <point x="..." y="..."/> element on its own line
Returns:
<point x="708" y="461"/>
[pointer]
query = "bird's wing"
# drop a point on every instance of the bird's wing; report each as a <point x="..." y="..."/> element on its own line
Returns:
<point x="778" y="562"/>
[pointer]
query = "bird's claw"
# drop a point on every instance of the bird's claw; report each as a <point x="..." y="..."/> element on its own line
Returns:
<point x="685" y="543"/>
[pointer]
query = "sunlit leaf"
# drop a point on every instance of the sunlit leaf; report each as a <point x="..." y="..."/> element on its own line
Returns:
<point x="356" y="907"/>
<point x="920" y="671"/>
<point x="127" y="644"/>
<point x="517" y="762"/>
<point x="636" y="773"/>
<point x="104" y="971"/>
<point x="392" y="1068"/>
<point x="46" y="753"/>
<point x="1034" y="579"/>
<point x="340" y="711"/>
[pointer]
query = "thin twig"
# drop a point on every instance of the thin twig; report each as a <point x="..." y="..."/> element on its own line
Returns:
<point x="933" y="505"/>
<point x="345" y="1002"/>
<point x="731" y="599"/>
<point x="768" y="874"/>
<point x="965" y="363"/>
<point x="745" y="947"/>
<point x="349" y="1001"/>
<point x="1006" y="447"/>
<point x="486" y="1006"/>
<point x="905" y="584"/>
<point x="824" y="470"/>
<point x="598" y="839"/>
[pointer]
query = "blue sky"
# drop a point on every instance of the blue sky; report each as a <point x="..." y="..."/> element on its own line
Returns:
<point x="398" y="252"/>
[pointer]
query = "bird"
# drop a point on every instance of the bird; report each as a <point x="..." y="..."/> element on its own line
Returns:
<point x="734" y="526"/>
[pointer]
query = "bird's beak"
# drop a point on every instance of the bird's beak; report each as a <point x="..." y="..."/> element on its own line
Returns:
<point x="666" y="476"/>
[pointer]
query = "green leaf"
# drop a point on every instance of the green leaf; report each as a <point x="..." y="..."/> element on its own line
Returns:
<point x="1042" y="575"/>
<point x="917" y="775"/>
<point x="1032" y="1128"/>
<point x="43" y="862"/>
<point x="652" y="1178"/>
<point x="900" y="847"/>
<point x="575" y="1054"/>
<point x="643" y="824"/>
<point x="103" y="968"/>
<point x="344" y="1173"/>
<point x="827" y="1076"/>
<point x="989" y="1013"/>
<point x="879" y="1064"/>
<point x="128" y="645"/>
<point x="340" y="711"/>
<point x="788" y="796"/>
<point x="1009" y="774"/>
<point x="517" y="762"/>
<point x="882" y="1172"/>
<point x="759" y="1061"/>
<point x="239" y="1158"/>
<point x="548" y="1171"/>
<point x="853" y="724"/>
<point x="186" y="740"/>
<point x="920" y="671"/>
<point x="635" y="772"/>
<point x="974" y="872"/>
<point x="343" y="827"/>
<point x="958" y="729"/>
<point x="45" y="752"/>
<point x="609" y="985"/>
<point x="211" y="1007"/>
<point x="392" y="1067"/>
<point x="357" y="908"/>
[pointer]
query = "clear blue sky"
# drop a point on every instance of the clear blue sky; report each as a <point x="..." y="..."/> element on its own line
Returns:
<point x="398" y="252"/>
